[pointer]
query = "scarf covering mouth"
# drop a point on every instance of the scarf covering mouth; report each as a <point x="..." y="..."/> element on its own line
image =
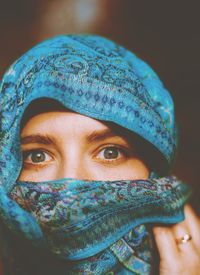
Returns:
<point x="97" y="224"/>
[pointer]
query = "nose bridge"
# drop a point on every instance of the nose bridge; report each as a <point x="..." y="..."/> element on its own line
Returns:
<point x="71" y="170"/>
<point x="72" y="165"/>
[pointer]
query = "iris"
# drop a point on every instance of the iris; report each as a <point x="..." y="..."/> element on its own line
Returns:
<point x="35" y="156"/>
<point x="111" y="153"/>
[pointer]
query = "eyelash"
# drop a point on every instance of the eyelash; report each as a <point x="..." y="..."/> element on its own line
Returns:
<point x="28" y="153"/>
<point x="123" y="151"/>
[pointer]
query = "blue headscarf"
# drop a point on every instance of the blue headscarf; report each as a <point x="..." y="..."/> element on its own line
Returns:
<point x="100" y="79"/>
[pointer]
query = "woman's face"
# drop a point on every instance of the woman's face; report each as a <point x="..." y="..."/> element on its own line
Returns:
<point x="64" y="144"/>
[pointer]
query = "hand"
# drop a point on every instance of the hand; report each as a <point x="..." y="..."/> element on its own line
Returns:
<point x="179" y="258"/>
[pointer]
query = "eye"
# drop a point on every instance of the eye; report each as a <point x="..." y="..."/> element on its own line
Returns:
<point x="111" y="153"/>
<point x="36" y="156"/>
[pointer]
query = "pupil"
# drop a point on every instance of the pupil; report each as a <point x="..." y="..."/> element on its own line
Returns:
<point x="111" y="153"/>
<point x="38" y="157"/>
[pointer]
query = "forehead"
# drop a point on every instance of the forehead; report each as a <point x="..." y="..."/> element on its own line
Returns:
<point x="40" y="106"/>
<point x="63" y="122"/>
<point x="48" y="115"/>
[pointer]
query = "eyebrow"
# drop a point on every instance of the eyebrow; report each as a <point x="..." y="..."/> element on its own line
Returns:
<point x="37" y="138"/>
<point x="101" y="135"/>
<point x="95" y="136"/>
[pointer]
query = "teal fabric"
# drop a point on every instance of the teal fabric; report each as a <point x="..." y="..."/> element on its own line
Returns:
<point x="100" y="227"/>
<point x="81" y="218"/>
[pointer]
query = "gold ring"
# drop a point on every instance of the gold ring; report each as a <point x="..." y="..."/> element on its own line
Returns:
<point x="185" y="239"/>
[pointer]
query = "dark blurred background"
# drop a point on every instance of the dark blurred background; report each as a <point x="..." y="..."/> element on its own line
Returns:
<point x="164" y="33"/>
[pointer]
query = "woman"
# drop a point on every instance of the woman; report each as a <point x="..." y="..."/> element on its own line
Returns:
<point x="87" y="132"/>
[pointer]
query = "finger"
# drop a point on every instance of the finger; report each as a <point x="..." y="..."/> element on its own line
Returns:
<point x="189" y="255"/>
<point x="166" y="244"/>
<point x="179" y="231"/>
<point x="193" y="223"/>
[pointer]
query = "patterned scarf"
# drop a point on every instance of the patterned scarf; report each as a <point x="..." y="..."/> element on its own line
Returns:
<point x="100" y="227"/>
<point x="96" y="224"/>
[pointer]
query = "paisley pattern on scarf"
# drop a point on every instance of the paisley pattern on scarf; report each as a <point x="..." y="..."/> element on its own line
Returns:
<point x="100" y="227"/>
<point x="80" y="219"/>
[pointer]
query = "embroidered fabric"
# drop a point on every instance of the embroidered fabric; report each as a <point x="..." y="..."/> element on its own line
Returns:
<point x="84" y="221"/>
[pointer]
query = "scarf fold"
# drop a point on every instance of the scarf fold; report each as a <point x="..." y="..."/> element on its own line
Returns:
<point x="83" y="221"/>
